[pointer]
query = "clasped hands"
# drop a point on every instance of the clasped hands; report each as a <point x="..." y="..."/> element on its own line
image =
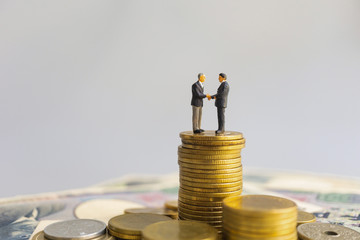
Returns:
<point x="209" y="97"/>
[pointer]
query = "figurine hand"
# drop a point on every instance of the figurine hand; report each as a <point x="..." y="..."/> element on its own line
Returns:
<point x="214" y="97"/>
<point x="208" y="97"/>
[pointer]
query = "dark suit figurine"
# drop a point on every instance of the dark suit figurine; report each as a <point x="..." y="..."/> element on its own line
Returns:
<point x="197" y="103"/>
<point x="221" y="101"/>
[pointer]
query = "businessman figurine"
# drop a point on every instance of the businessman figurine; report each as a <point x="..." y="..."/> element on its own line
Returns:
<point x="221" y="102"/>
<point x="197" y="102"/>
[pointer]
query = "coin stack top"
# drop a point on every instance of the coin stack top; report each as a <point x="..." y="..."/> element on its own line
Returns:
<point x="259" y="217"/>
<point x="210" y="170"/>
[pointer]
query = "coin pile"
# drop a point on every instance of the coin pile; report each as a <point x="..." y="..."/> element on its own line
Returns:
<point x="129" y="226"/>
<point x="254" y="217"/>
<point x="179" y="230"/>
<point x="210" y="170"/>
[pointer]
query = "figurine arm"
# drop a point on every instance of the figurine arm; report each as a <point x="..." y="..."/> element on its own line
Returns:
<point x="198" y="93"/>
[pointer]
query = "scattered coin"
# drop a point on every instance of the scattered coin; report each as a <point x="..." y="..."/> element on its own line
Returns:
<point x="129" y="226"/>
<point x="305" y="217"/>
<point x="180" y="230"/>
<point x="326" y="231"/>
<point x="171" y="204"/>
<point x="75" y="229"/>
<point x="40" y="236"/>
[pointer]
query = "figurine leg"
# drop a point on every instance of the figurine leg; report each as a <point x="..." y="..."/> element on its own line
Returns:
<point x="199" y="123"/>
<point x="195" y="119"/>
<point x="221" y="120"/>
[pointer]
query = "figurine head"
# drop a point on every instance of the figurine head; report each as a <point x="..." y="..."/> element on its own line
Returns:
<point x="222" y="77"/>
<point x="201" y="77"/>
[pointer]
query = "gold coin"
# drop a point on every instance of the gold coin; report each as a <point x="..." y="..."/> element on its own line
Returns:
<point x="260" y="230"/>
<point x="199" y="217"/>
<point x="233" y="236"/>
<point x="179" y="230"/>
<point x="171" y="204"/>
<point x="206" y="198"/>
<point x="205" y="203"/>
<point x="213" y="143"/>
<point x="125" y="236"/>
<point x="200" y="208"/>
<point x="211" y="176"/>
<point x="210" y="185"/>
<point x="133" y="224"/>
<point x="211" y="171"/>
<point x="222" y="164"/>
<point x="305" y="217"/>
<point x="212" y="223"/>
<point x="210" y="135"/>
<point x="209" y="157"/>
<point x="261" y="219"/>
<point x="159" y="211"/>
<point x="326" y="231"/>
<point x="211" y="190"/>
<point x="207" y="152"/>
<point x="40" y="236"/>
<point x="259" y="205"/>
<point x="210" y="180"/>
<point x="221" y="148"/>
<point x="201" y="194"/>
<point x="209" y="166"/>
<point x="200" y="213"/>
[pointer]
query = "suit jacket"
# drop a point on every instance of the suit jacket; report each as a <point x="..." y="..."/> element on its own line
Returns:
<point x="197" y="95"/>
<point x="222" y="95"/>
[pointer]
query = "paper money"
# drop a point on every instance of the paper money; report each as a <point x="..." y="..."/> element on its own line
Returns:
<point x="332" y="199"/>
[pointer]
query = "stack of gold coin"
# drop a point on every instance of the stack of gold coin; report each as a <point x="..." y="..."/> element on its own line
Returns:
<point x="210" y="170"/>
<point x="254" y="217"/>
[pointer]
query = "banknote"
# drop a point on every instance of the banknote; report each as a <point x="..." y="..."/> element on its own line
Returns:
<point x="333" y="199"/>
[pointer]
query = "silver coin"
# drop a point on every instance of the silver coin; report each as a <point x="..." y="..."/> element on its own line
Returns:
<point x="326" y="231"/>
<point x="40" y="236"/>
<point x="78" y="229"/>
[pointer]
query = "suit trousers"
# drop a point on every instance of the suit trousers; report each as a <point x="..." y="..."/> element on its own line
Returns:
<point x="221" y="118"/>
<point x="196" y="118"/>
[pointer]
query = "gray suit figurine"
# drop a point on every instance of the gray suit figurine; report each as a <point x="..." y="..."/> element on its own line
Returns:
<point x="197" y="102"/>
<point x="221" y="101"/>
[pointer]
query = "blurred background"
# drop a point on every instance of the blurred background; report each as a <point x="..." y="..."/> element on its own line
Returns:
<point x="94" y="90"/>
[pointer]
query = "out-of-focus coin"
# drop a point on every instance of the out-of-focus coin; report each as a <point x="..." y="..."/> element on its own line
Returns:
<point x="211" y="190"/>
<point x="210" y="176"/>
<point x="256" y="205"/>
<point x="221" y="148"/>
<point x="209" y="180"/>
<point x="209" y="157"/>
<point x="125" y="236"/>
<point x="159" y="211"/>
<point x="212" y="171"/>
<point x="210" y="135"/>
<point x="211" y="185"/>
<point x="206" y="152"/>
<point x="171" y="204"/>
<point x="326" y="231"/>
<point x="210" y="166"/>
<point x="213" y="143"/>
<point x="305" y="217"/>
<point x="219" y="164"/>
<point x="215" y="195"/>
<point x="199" y="203"/>
<point x="133" y="224"/>
<point x="235" y="236"/>
<point x="75" y="229"/>
<point x="179" y="230"/>
<point x="200" y="208"/>
<point x="40" y="236"/>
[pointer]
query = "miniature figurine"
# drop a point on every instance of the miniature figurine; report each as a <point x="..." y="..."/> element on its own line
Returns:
<point x="197" y="102"/>
<point x="221" y="102"/>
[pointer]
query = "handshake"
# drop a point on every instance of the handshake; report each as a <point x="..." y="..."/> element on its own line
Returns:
<point x="209" y="97"/>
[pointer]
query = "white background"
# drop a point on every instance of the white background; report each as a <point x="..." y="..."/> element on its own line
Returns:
<point x="93" y="90"/>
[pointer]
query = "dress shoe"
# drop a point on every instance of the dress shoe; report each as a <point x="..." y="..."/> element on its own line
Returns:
<point x="219" y="131"/>
<point x="197" y="131"/>
<point x="202" y="130"/>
